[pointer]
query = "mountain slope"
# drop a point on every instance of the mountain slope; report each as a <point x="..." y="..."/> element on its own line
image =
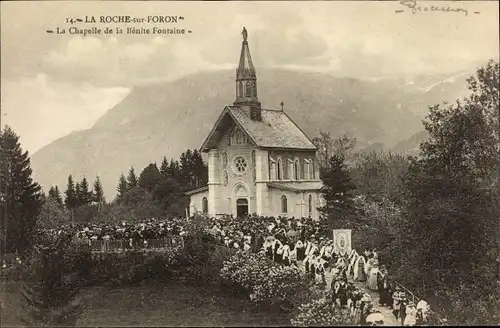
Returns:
<point x="165" y="119"/>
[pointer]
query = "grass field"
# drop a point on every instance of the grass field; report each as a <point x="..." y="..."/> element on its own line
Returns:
<point x="155" y="305"/>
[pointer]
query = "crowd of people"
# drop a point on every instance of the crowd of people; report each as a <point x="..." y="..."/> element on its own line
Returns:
<point x="303" y="244"/>
<point x="288" y="241"/>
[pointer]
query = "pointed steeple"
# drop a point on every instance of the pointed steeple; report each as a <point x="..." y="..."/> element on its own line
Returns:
<point x="246" y="81"/>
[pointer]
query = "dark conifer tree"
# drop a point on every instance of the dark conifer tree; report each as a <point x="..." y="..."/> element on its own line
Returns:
<point x="174" y="170"/>
<point x="165" y="168"/>
<point x="78" y="195"/>
<point x="86" y="193"/>
<point x="98" y="195"/>
<point x="122" y="187"/>
<point x="57" y="195"/>
<point x="20" y="196"/>
<point x="52" y="192"/>
<point x="71" y="198"/>
<point x="132" y="180"/>
<point x="149" y="177"/>
<point x="339" y="209"/>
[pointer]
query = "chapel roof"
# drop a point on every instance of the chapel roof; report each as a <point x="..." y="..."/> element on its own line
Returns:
<point x="275" y="130"/>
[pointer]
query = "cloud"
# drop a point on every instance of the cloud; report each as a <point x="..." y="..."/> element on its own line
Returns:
<point x="41" y="109"/>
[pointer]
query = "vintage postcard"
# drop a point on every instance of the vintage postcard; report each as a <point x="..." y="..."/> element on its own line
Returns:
<point x="249" y="163"/>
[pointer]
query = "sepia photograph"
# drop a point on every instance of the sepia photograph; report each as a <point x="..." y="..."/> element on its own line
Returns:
<point x="249" y="163"/>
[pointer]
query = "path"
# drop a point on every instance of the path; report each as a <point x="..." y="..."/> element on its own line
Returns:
<point x="389" y="319"/>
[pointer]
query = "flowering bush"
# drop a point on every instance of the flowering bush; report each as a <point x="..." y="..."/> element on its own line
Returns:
<point x="322" y="311"/>
<point x="265" y="280"/>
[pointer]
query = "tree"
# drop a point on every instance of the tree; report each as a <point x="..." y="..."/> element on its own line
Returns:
<point x="71" y="200"/>
<point x="51" y="280"/>
<point x="193" y="171"/>
<point x="132" y="181"/>
<point x="20" y="196"/>
<point x="167" y="193"/>
<point x="199" y="170"/>
<point x="379" y="176"/>
<point x="186" y="165"/>
<point x="328" y="147"/>
<point x="450" y="220"/>
<point x="339" y="210"/>
<point x="85" y="195"/>
<point x="55" y="194"/>
<point x="98" y="192"/>
<point x="174" y="170"/>
<point x="78" y="195"/>
<point x="53" y="215"/>
<point x="122" y="187"/>
<point x="165" y="167"/>
<point x="149" y="177"/>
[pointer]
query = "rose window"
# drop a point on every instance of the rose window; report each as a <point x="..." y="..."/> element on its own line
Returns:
<point x="240" y="164"/>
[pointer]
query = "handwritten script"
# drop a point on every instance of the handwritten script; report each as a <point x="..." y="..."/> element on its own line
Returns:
<point x="412" y="4"/>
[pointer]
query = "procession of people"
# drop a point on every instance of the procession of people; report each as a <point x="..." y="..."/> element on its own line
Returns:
<point x="344" y="274"/>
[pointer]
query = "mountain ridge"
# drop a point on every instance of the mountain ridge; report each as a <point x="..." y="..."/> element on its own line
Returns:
<point x="164" y="119"/>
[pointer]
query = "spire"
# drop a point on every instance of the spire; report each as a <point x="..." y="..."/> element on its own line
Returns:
<point x="245" y="69"/>
<point x="246" y="78"/>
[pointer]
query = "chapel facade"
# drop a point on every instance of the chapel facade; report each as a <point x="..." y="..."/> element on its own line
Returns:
<point x="259" y="160"/>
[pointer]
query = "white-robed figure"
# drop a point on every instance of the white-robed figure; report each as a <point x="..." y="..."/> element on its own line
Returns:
<point x="268" y="247"/>
<point x="327" y="250"/>
<point x="329" y="275"/>
<point x="320" y="270"/>
<point x="277" y="250"/>
<point x="311" y="248"/>
<point x="359" y="269"/>
<point x="352" y="261"/>
<point x="372" y="282"/>
<point x="411" y="315"/>
<point x="423" y="307"/>
<point x="286" y="254"/>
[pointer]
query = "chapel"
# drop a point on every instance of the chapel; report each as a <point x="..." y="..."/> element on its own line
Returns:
<point x="259" y="160"/>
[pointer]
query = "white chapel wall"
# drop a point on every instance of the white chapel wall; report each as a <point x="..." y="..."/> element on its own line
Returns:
<point x="230" y="185"/>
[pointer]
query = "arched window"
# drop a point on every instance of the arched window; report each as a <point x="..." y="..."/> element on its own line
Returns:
<point x="284" y="206"/>
<point x="279" y="171"/>
<point x="240" y="89"/>
<point x="225" y="178"/>
<point x="239" y="136"/>
<point x="224" y="159"/>
<point x="296" y="169"/>
<point x="248" y="89"/>
<point x="254" y="176"/>
<point x="307" y="169"/>
<point x="204" y="205"/>
<point x="310" y="205"/>
<point x="253" y="157"/>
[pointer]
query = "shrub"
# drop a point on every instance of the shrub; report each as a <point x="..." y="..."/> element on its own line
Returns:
<point x="51" y="279"/>
<point x="322" y="311"/>
<point x="265" y="280"/>
<point x="132" y="267"/>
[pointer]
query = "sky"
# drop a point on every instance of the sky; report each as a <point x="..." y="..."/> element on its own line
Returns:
<point x="54" y="84"/>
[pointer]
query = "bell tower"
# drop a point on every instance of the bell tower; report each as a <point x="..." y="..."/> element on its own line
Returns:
<point x="246" y="82"/>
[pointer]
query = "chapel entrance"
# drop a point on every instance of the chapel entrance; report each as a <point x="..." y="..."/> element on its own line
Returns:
<point x="241" y="207"/>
